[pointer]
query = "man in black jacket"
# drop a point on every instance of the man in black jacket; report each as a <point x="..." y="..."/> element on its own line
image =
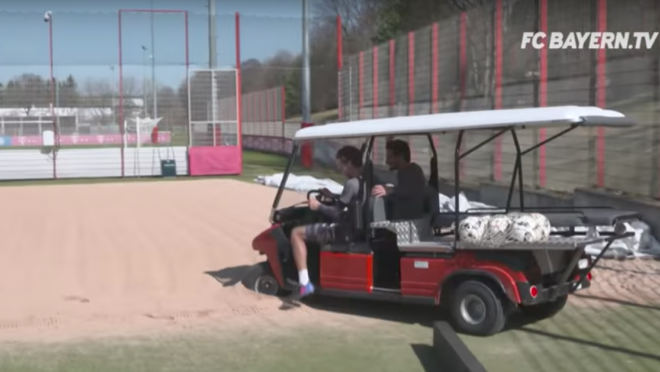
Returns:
<point x="407" y="198"/>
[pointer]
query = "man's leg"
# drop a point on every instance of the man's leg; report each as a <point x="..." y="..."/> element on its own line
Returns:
<point x="319" y="233"/>
<point x="300" y="254"/>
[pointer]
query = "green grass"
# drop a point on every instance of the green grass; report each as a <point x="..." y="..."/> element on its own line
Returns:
<point x="595" y="339"/>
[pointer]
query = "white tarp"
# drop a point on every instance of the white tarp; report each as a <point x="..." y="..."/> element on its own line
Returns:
<point x="642" y="244"/>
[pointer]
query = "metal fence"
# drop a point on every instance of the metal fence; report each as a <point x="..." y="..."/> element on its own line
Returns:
<point x="93" y="92"/>
<point x="474" y="61"/>
<point x="264" y="121"/>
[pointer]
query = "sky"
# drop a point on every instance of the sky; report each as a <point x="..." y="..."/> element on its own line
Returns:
<point x="86" y="37"/>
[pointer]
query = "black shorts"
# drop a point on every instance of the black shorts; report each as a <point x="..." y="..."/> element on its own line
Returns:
<point x="321" y="233"/>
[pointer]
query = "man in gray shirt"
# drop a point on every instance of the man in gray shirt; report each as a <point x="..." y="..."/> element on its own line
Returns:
<point x="407" y="198"/>
<point x="349" y="163"/>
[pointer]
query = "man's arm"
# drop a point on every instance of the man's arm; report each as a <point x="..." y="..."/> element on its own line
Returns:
<point x="350" y="192"/>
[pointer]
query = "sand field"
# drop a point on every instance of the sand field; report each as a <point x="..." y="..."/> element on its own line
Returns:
<point x="124" y="258"/>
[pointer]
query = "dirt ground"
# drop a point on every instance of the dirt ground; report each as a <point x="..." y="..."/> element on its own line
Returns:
<point x="110" y="259"/>
<point x="118" y="259"/>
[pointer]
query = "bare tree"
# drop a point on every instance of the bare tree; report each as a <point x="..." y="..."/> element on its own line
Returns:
<point x="27" y="91"/>
<point x="480" y="24"/>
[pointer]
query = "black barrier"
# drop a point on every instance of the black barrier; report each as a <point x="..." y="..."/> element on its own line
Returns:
<point x="451" y="352"/>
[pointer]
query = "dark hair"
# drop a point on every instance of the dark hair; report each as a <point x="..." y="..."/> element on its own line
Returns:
<point x="350" y="154"/>
<point x="399" y="148"/>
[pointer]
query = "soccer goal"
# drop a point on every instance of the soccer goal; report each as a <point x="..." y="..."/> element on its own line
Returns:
<point x="145" y="146"/>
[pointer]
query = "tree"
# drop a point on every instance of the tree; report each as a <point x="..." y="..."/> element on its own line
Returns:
<point x="27" y="91"/>
<point x="292" y="85"/>
<point x="397" y="17"/>
<point x="68" y="92"/>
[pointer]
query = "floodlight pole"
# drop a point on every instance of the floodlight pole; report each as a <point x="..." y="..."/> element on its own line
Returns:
<point x="212" y="36"/>
<point x="48" y="18"/>
<point x="153" y="63"/>
<point x="144" y="80"/>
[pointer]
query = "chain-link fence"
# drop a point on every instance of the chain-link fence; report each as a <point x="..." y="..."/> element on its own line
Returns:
<point x="474" y="61"/>
<point x="102" y="92"/>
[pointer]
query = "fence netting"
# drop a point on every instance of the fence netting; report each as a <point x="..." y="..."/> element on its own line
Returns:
<point x="473" y="60"/>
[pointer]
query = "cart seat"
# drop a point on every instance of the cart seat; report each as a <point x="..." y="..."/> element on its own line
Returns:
<point x="408" y="231"/>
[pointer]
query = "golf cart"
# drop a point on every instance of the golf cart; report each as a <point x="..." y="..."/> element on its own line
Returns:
<point x="449" y="258"/>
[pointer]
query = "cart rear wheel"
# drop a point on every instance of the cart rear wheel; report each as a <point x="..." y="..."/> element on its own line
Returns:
<point x="545" y="310"/>
<point x="477" y="309"/>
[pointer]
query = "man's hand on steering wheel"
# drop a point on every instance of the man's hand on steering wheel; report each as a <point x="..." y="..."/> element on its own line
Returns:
<point x="314" y="204"/>
<point x="321" y="196"/>
<point x="327" y="193"/>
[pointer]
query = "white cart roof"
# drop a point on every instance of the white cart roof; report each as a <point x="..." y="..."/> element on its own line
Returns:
<point x="560" y="116"/>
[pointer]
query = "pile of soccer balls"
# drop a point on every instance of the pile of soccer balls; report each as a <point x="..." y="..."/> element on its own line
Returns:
<point x="505" y="228"/>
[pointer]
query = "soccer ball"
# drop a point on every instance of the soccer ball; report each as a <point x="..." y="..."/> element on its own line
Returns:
<point x="543" y="227"/>
<point x="499" y="227"/>
<point x="529" y="228"/>
<point x="472" y="228"/>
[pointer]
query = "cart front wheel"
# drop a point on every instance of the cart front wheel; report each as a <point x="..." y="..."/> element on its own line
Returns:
<point x="263" y="280"/>
<point x="477" y="309"/>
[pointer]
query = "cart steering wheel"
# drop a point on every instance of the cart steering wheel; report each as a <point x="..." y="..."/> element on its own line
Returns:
<point x="323" y="196"/>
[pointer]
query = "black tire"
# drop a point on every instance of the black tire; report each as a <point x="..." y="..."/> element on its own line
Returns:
<point x="487" y="318"/>
<point x="545" y="310"/>
<point x="263" y="281"/>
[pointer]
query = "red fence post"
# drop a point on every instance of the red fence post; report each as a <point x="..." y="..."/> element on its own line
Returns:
<point x="374" y="94"/>
<point x="411" y="73"/>
<point x="435" y="74"/>
<point x="434" y="68"/>
<point x="411" y="84"/>
<point x="259" y="113"/>
<point x="601" y="95"/>
<point x="283" y="108"/>
<point x="543" y="88"/>
<point x="497" y="155"/>
<point x="239" y="92"/>
<point x="306" y="151"/>
<point x="340" y="66"/>
<point x="374" y="83"/>
<point x="360" y="84"/>
<point x="392" y="45"/>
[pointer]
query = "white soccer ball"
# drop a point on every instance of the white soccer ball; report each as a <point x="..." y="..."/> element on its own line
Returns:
<point x="499" y="227"/>
<point x="529" y="228"/>
<point x="472" y="228"/>
<point x="543" y="227"/>
<point x="522" y="229"/>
